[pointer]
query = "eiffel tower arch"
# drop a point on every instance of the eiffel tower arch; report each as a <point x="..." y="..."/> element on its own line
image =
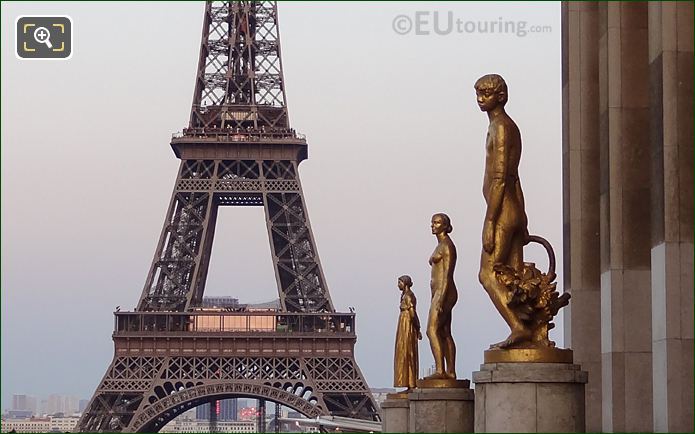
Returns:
<point x="171" y="355"/>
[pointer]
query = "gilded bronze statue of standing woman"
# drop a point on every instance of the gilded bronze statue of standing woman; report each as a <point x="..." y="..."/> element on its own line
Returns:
<point x="444" y="297"/>
<point x="405" y="361"/>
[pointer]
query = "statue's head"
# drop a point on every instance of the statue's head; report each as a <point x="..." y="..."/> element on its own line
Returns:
<point x="405" y="281"/>
<point x="441" y="224"/>
<point x="491" y="92"/>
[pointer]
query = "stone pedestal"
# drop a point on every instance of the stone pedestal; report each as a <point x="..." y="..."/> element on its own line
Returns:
<point x="529" y="397"/>
<point x="441" y="410"/>
<point x="396" y="414"/>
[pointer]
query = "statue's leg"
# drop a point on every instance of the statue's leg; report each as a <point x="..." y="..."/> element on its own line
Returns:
<point x="503" y="243"/>
<point x="516" y="251"/>
<point x="434" y="335"/>
<point x="504" y="238"/>
<point x="449" y="349"/>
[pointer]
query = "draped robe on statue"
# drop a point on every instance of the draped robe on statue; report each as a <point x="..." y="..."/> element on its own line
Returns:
<point x="405" y="366"/>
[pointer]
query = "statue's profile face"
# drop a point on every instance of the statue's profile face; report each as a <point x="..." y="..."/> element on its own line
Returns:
<point x="401" y="285"/>
<point x="487" y="99"/>
<point x="438" y="225"/>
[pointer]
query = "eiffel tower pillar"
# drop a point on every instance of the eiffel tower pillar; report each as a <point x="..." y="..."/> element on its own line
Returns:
<point x="238" y="150"/>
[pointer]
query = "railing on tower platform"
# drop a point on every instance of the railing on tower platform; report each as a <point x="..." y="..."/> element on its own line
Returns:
<point x="240" y="134"/>
<point x="234" y="323"/>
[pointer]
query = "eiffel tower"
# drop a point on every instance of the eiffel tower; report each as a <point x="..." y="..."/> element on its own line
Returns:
<point x="238" y="150"/>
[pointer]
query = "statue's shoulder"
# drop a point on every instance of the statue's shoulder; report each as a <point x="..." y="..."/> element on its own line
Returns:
<point x="504" y="124"/>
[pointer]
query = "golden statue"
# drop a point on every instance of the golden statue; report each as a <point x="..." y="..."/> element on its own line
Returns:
<point x="525" y="297"/>
<point x="405" y="361"/>
<point x="444" y="297"/>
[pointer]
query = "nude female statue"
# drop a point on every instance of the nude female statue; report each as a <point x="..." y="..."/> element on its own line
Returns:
<point x="444" y="297"/>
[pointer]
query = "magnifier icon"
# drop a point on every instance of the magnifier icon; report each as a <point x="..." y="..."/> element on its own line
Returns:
<point x="43" y="36"/>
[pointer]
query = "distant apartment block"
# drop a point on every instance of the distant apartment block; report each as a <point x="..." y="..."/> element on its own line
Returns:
<point x="34" y="424"/>
<point x="40" y="424"/>
<point x="24" y="403"/>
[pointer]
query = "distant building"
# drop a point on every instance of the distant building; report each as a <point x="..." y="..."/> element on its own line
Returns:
<point x="222" y="302"/>
<point x="19" y="414"/>
<point x="61" y="404"/>
<point x="83" y="405"/>
<point x="24" y="402"/>
<point x="232" y="303"/>
<point x="34" y="424"/>
<point x="63" y="424"/>
<point x="226" y="410"/>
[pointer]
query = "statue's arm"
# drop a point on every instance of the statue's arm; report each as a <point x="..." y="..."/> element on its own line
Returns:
<point x="498" y="178"/>
<point x="415" y="321"/>
<point x="520" y="198"/>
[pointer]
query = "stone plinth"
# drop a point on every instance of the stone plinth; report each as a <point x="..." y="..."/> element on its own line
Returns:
<point x="529" y="397"/>
<point x="396" y="414"/>
<point x="441" y="410"/>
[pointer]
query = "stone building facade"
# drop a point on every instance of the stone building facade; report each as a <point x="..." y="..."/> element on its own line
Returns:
<point x="628" y="210"/>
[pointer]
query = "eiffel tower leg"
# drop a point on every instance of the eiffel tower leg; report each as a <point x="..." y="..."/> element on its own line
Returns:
<point x="342" y="387"/>
<point x="177" y="276"/>
<point x="298" y="270"/>
<point x="119" y="394"/>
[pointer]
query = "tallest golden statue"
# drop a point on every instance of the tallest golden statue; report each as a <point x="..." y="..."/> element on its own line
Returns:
<point x="525" y="297"/>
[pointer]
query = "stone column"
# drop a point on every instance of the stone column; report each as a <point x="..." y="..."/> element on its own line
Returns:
<point x="671" y="125"/>
<point x="580" y="157"/>
<point x="625" y="218"/>
<point x="529" y="397"/>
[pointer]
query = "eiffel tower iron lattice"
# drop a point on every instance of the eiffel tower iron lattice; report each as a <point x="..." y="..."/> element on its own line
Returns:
<point x="238" y="150"/>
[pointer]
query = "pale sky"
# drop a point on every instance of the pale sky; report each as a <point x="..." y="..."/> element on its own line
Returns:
<point x="394" y="136"/>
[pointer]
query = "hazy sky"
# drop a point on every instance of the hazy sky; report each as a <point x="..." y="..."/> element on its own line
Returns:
<point x="394" y="136"/>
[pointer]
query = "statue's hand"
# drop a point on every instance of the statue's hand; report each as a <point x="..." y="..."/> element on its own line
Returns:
<point x="488" y="237"/>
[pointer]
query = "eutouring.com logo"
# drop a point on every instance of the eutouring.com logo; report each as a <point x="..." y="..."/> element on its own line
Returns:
<point x="445" y="23"/>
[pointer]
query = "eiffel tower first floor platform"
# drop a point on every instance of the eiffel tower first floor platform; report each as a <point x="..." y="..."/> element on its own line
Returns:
<point x="168" y="362"/>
